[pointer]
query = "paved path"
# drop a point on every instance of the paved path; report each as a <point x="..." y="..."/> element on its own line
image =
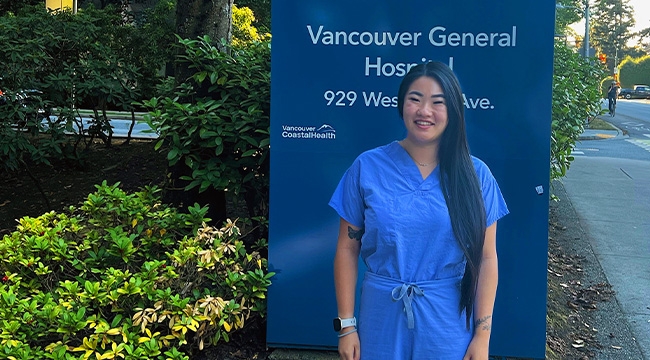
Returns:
<point x="612" y="198"/>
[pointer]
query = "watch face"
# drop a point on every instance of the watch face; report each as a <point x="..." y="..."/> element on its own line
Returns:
<point x="337" y="324"/>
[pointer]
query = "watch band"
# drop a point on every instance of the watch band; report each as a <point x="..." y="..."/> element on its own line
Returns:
<point x="348" y="322"/>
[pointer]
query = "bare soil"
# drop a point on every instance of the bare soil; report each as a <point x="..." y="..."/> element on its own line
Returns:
<point x="137" y="164"/>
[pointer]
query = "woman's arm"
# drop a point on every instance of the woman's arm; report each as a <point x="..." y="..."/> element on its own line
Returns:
<point x="485" y="295"/>
<point x="345" y="281"/>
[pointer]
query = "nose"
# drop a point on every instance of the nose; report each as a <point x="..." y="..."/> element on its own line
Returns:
<point x="425" y="109"/>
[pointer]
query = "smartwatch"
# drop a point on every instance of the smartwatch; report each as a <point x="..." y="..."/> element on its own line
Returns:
<point x="343" y="323"/>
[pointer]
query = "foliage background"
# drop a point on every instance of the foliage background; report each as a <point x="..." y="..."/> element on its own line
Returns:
<point x="635" y="71"/>
<point x="576" y="99"/>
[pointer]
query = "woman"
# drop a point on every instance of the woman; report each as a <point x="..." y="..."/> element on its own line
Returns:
<point x="422" y="214"/>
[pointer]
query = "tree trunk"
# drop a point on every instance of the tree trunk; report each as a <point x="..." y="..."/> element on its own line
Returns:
<point x="205" y="17"/>
<point x="196" y="18"/>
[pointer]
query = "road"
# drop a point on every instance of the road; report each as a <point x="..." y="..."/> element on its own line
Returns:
<point x="609" y="186"/>
<point x="632" y="116"/>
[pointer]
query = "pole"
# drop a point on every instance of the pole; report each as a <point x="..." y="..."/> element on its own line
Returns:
<point x="586" y="28"/>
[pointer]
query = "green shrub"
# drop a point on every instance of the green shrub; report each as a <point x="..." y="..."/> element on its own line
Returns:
<point x="216" y="123"/>
<point x="94" y="58"/>
<point x="635" y="71"/>
<point x="123" y="275"/>
<point x="576" y="98"/>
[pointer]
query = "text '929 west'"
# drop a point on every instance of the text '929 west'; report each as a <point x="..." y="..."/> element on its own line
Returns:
<point x="340" y="98"/>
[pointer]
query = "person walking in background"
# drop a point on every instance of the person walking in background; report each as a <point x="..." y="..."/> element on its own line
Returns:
<point x="612" y="95"/>
<point x="421" y="212"/>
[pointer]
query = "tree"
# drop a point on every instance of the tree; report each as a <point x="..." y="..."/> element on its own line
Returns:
<point x="611" y="26"/>
<point x="210" y="19"/>
<point x="262" y="11"/>
<point x="644" y="40"/>
<point x="243" y="31"/>
<point x="13" y="6"/>
<point x="213" y="18"/>
<point x="567" y="12"/>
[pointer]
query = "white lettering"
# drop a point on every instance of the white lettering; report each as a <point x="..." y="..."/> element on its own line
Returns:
<point x="393" y="69"/>
<point x="377" y="99"/>
<point x="387" y="69"/>
<point x="481" y="39"/>
<point x="478" y="103"/>
<point x="438" y="36"/>
<point x="314" y="39"/>
<point x="406" y="39"/>
<point x="339" y="35"/>
<point x="366" y="38"/>
<point x="371" y="98"/>
<point x="354" y="34"/>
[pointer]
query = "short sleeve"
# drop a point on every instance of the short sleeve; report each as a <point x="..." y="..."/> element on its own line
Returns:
<point x="495" y="204"/>
<point x="347" y="199"/>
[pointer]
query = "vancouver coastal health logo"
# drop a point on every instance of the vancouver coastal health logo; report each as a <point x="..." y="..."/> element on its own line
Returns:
<point x="325" y="131"/>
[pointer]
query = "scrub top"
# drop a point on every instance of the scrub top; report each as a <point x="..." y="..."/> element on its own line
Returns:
<point x="408" y="245"/>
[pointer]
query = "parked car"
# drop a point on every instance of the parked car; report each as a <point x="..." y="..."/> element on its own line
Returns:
<point x="637" y="92"/>
<point x="623" y="91"/>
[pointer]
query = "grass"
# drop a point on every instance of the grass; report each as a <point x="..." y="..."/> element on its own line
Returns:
<point x="599" y="124"/>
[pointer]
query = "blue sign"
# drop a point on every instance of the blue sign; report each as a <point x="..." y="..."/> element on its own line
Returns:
<point x="336" y="68"/>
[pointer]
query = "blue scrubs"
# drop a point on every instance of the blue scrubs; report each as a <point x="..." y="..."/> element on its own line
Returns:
<point x="411" y="292"/>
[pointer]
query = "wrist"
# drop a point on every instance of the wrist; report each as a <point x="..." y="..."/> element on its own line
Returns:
<point x="342" y="323"/>
<point x="347" y="331"/>
<point x="483" y="325"/>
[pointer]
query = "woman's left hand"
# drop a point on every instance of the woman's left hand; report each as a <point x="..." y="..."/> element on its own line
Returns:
<point x="478" y="349"/>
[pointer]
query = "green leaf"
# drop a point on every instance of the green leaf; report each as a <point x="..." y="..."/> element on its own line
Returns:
<point x="249" y="153"/>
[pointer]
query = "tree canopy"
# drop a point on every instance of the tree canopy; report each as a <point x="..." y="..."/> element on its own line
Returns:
<point x="611" y="30"/>
<point x="567" y="12"/>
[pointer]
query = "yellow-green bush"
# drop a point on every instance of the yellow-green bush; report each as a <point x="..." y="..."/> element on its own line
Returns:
<point x="123" y="275"/>
<point x="243" y="31"/>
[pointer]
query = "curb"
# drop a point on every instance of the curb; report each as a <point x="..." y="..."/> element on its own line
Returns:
<point x="285" y="354"/>
<point x="601" y="134"/>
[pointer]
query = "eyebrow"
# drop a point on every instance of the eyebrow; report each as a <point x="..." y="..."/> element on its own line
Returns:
<point x="415" y="92"/>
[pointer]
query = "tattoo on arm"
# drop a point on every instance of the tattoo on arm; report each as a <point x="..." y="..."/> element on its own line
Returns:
<point x="355" y="234"/>
<point x="483" y="323"/>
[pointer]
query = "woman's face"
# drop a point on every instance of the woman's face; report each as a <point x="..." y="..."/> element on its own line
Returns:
<point x="424" y="112"/>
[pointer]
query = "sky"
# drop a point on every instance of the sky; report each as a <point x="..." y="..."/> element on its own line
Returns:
<point x="641" y="15"/>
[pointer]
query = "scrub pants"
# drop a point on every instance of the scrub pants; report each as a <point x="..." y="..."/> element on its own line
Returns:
<point x="412" y="321"/>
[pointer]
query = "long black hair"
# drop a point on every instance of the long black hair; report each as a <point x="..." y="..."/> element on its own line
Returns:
<point x="458" y="179"/>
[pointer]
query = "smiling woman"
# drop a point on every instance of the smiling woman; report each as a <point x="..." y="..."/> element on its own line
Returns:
<point x="421" y="213"/>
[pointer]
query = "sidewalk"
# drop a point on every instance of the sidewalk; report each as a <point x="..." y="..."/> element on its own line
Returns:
<point x="610" y="199"/>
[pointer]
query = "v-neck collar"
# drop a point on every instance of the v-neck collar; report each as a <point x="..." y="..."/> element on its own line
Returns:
<point x="409" y="169"/>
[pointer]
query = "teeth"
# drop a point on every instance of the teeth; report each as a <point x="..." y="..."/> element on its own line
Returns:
<point x="423" y="123"/>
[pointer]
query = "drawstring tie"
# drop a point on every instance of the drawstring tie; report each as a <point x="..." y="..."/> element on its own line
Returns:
<point x="405" y="292"/>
